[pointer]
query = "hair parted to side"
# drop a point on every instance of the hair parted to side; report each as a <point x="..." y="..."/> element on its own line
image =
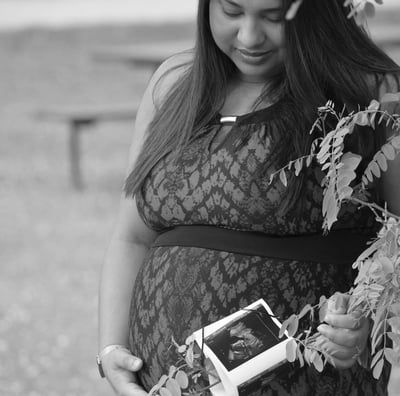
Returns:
<point x="328" y="56"/>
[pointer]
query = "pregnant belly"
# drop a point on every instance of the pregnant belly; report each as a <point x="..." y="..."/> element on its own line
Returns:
<point x="180" y="289"/>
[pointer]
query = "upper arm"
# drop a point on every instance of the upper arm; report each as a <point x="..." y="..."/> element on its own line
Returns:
<point x="391" y="178"/>
<point x="160" y="84"/>
<point x="129" y="225"/>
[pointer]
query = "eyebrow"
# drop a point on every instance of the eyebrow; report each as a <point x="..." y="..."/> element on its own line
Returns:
<point x="273" y="8"/>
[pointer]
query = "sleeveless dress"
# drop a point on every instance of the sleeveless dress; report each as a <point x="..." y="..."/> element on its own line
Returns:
<point x="180" y="289"/>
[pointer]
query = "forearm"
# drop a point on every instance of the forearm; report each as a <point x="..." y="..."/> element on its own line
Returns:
<point x="122" y="262"/>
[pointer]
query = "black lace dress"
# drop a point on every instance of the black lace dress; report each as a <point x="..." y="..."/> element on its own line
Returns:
<point x="180" y="289"/>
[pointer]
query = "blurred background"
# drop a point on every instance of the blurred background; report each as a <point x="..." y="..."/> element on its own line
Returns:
<point x="53" y="228"/>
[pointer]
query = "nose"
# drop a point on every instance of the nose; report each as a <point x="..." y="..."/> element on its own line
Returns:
<point x="250" y="34"/>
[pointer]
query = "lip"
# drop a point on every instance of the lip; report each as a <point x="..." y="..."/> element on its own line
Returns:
<point x="253" y="56"/>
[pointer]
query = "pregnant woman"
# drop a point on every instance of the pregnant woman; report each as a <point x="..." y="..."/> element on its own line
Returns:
<point x="200" y="231"/>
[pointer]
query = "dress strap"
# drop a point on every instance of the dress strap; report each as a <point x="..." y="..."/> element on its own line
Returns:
<point x="337" y="247"/>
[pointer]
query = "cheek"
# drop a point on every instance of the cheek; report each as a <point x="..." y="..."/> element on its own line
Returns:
<point x="276" y="36"/>
<point x="222" y="31"/>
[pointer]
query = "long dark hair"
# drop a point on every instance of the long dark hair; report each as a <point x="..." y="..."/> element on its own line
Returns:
<point x="328" y="56"/>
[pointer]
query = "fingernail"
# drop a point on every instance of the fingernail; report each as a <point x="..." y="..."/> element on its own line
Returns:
<point x="322" y="329"/>
<point x="135" y="363"/>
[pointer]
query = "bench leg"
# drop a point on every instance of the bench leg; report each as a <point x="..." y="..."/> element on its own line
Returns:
<point x="74" y="155"/>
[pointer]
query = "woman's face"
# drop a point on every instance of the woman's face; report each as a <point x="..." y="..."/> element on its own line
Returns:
<point x="250" y="33"/>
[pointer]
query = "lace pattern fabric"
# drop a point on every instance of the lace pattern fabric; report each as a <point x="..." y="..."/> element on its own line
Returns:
<point x="217" y="181"/>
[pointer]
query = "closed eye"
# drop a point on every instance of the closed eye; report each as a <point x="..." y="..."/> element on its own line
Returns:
<point x="231" y="9"/>
<point x="275" y="15"/>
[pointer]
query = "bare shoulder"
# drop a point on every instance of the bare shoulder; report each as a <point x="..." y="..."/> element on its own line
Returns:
<point x="384" y="83"/>
<point x="162" y="81"/>
<point x="390" y="83"/>
<point x="169" y="73"/>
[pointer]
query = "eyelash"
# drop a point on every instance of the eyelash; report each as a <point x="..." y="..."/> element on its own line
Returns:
<point x="231" y="14"/>
<point x="275" y="19"/>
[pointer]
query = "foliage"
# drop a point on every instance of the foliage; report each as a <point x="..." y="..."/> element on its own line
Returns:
<point x="376" y="292"/>
<point x="359" y="9"/>
<point x="190" y="376"/>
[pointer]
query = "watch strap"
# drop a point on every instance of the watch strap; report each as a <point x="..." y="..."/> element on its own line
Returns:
<point x="105" y="351"/>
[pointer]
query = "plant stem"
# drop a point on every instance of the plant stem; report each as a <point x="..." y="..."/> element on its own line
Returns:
<point x="374" y="206"/>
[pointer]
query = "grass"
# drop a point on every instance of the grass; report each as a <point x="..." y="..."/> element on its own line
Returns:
<point x="52" y="238"/>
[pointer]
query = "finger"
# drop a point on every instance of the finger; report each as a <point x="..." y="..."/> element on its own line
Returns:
<point x="351" y="321"/>
<point x="343" y="337"/>
<point x="341" y="364"/>
<point x="129" y="362"/>
<point x="338" y="303"/>
<point x="338" y="351"/>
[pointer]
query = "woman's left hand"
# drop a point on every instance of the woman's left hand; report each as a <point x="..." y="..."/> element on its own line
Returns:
<point x="345" y="337"/>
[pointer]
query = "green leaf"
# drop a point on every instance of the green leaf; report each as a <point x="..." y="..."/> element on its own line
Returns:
<point x="318" y="363"/>
<point x="164" y="392"/>
<point x="361" y="119"/>
<point x="369" y="251"/>
<point x="307" y="355"/>
<point x="395" y="338"/>
<point x="376" y="357"/>
<point x="291" y="347"/>
<point x="306" y="308"/>
<point x="189" y="358"/>
<point x="173" y="386"/>
<point x="375" y="169"/>
<point x="377" y="335"/>
<point x="292" y="11"/>
<point x="377" y="371"/>
<point x="293" y="325"/>
<point x="369" y="10"/>
<point x="391" y="356"/>
<point x="345" y="192"/>
<point x="182" y="349"/>
<point x="389" y="151"/>
<point x="368" y="174"/>
<point x="343" y="132"/>
<point x="337" y="142"/>
<point x="394" y="324"/>
<point x="381" y="160"/>
<point x="182" y="379"/>
<point x="282" y="177"/>
<point x="374" y="105"/>
<point x="331" y="211"/>
<point x="297" y="166"/>
<point x="299" y="355"/>
<point x="154" y="390"/>
<point x="344" y="180"/>
<point x="395" y="309"/>
<point x="351" y="160"/>
<point x="395" y="142"/>
<point x="163" y="380"/>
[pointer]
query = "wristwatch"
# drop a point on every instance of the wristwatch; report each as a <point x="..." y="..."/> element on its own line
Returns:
<point x="106" y="350"/>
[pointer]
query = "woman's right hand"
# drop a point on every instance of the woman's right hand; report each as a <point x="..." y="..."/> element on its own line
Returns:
<point x="120" y="368"/>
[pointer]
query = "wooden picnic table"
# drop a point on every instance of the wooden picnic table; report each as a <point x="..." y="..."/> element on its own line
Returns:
<point x="148" y="55"/>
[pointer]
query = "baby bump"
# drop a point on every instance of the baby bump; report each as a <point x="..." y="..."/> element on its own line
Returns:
<point x="180" y="289"/>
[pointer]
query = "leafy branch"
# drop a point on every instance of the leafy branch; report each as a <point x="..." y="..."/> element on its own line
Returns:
<point x="190" y="376"/>
<point x="360" y="10"/>
<point x="376" y="290"/>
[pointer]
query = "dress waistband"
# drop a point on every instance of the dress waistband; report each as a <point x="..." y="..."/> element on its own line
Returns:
<point x="337" y="247"/>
